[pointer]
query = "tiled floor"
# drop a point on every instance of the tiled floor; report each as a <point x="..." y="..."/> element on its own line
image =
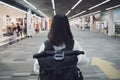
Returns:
<point x="16" y="62"/>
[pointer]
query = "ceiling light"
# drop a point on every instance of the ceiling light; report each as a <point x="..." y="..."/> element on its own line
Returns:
<point x="76" y="4"/>
<point x="68" y="12"/>
<point x="12" y="7"/>
<point x="78" y="14"/>
<point x="112" y="7"/>
<point x="109" y="8"/>
<point x="30" y="4"/>
<point x="99" y="4"/>
<point x="73" y="7"/>
<point x="42" y="13"/>
<point x="53" y="4"/>
<point x="92" y="13"/>
<point x="116" y="6"/>
<point x="35" y="8"/>
<point x="54" y="12"/>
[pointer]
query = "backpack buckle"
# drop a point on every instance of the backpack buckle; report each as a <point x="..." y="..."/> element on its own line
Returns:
<point x="59" y="55"/>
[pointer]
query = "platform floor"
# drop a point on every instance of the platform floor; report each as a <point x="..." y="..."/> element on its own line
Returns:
<point x="16" y="62"/>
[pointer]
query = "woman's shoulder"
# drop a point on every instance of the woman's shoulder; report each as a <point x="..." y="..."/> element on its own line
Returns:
<point x="77" y="46"/>
<point x="41" y="47"/>
<point x="76" y="42"/>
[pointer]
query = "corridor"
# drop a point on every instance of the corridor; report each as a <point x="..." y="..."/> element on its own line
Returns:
<point x="16" y="62"/>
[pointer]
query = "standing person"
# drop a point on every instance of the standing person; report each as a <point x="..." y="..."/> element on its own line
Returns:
<point x="25" y="30"/>
<point x="60" y="36"/>
<point x="19" y="30"/>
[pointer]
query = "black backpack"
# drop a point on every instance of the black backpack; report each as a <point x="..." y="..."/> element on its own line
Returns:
<point x="58" y="65"/>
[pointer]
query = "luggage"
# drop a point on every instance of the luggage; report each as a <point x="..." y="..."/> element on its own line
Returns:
<point x="58" y="65"/>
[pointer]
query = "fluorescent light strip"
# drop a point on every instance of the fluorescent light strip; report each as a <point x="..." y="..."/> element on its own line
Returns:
<point x="12" y="7"/>
<point x="42" y="13"/>
<point x="54" y="12"/>
<point x="35" y="8"/>
<point x="92" y="13"/>
<point x="74" y="7"/>
<point x="99" y="4"/>
<point x="53" y="4"/>
<point x="112" y="7"/>
<point x="88" y="14"/>
<point x="109" y="8"/>
<point x="95" y="12"/>
<point x="30" y="4"/>
<point x="78" y="14"/>
<point x="68" y="12"/>
<point x="76" y="4"/>
<point x="116" y="6"/>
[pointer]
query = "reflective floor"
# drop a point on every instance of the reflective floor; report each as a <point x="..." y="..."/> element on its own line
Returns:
<point x="16" y="62"/>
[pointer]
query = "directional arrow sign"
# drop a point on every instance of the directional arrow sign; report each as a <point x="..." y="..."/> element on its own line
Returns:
<point x="106" y="67"/>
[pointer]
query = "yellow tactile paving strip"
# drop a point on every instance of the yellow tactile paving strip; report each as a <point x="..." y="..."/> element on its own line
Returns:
<point x="106" y="67"/>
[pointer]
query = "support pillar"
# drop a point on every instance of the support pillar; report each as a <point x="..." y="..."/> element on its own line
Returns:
<point x="29" y="31"/>
<point x="91" y="22"/>
<point x="111" y="25"/>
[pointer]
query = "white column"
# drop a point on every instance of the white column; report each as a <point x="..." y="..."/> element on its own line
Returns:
<point x="43" y="24"/>
<point x="111" y="27"/>
<point x="47" y="23"/>
<point x="83" y="23"/>
<point x="29" y="32"/>
<point x="91" y="22"/>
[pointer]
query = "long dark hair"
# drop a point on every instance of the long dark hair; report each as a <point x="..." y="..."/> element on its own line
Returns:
<point x="60" y="31"/>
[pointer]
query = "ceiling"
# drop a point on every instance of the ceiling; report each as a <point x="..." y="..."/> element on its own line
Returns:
<point x="63" y="6"/>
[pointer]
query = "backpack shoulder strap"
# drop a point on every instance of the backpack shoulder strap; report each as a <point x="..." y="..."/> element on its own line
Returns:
<point x="48" y="45"/>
